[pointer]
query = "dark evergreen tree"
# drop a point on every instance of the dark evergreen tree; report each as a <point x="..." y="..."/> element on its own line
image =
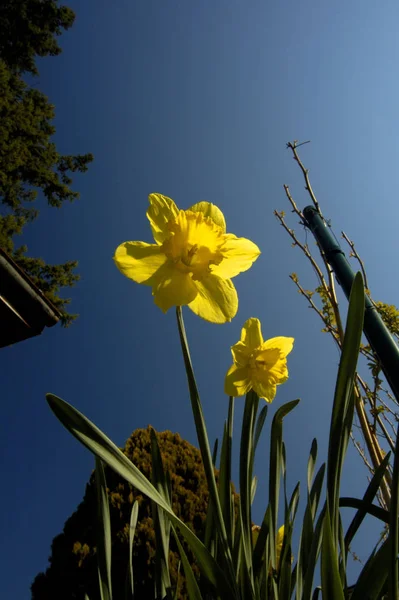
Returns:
<point x="29" y="161"/>
<point x="28" y="28"/>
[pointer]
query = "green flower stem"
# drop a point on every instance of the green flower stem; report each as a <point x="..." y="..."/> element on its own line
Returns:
<point x="205" y="449"/>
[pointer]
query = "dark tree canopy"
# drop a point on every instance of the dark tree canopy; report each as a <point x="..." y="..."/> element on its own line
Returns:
<point x="28" y="28"/>
<point x="29" y="161"/>
<point x="73" y="568"/>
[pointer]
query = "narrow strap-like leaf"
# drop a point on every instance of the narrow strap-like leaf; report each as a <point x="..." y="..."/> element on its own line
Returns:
<point x="393" y="580"/>
<point x="132" y="530"/>
<point x="205" y="452"/>
<point x="225" y="491"/>
<point x="330" y="578"/>
<point x="343" y="406"/>
<point x="191" y="583"/>
<point x="374" y="575"/>
<point x="276" y="440"/>
<point x="246" y="462"/>
<point x="366" y="502"/>
<point x="372" y="509"/>
<point x="259" y="425"/>
<point x="161" y="523"/>
<point x="103" y="533"/>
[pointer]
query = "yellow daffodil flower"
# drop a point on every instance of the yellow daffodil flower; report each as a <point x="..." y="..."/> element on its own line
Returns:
<point x="192" y="261"/>
<point x="258" y="365"/>
<point x="279" y="542"/>
<point x="279" y="545"/>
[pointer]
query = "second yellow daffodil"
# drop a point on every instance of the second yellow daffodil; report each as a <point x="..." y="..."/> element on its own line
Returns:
<point x="279" y="543"/>
<point x="258" y="365"/>
<point x="192" y="261"/>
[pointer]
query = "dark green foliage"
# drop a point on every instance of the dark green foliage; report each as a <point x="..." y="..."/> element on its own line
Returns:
<point x="29" y="161"/>
<point x="73" y="567"/>
<point x="28" y="29"/>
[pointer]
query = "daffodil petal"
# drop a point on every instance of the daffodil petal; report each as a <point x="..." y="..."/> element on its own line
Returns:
<point x="251" y="334"/>
<point x="210" y="210"/>
<point x="174" y="289"/>
<point x="267" y="391"/>
<point x="280" y="538"/>
<point x="237" y="382"/>
<point x="283" y="344"/>
<point x="161" y="210"/>
<point x="241" y="354"/>
<point x="139" y="261"/>
<point x="217" y="299"/>
<point x="279" y="372"/>
<point x="238" y="256"/>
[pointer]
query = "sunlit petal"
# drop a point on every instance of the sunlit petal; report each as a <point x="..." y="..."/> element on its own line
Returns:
<point x="251" y="334"/>
<point x="267" y="391"/>
<point x="241" y="354"/>
<point x="283" y="344"/>
<point x="237" y="382"/>
<point x="217" y="299"/>
<point x="279" y="372"/>
<point x="238" y="256"/>
<point x="161" y="210"/>
<point x="174" y="289"/>
<point x="138" y="260"/>
<point x="212" y="211"/>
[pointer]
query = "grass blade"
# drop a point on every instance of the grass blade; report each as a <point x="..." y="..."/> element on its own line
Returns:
<point x="259" y="425"/>
<point x="161" y="524"/>
<point x="307" y="532"/>
<point x="261" y="544"/>
<point x="285" y="569"/>
<point x="313" y="556"/>
<point x="132" y="530"/>
<point x="246" y="462"/>
<point x="372" y="509"/>
<point x="330" y="578"/>
<point x="215" y="452"/>
<point x="276" y="441"/>
<point x="103" y="533"/>
<point x="374" y="574"/>
<point x="366" y="502"/>
<point x="343" y="407"/>
<point x="191" y="583"/>
<point x="393" y="580"/>
<point x="225" y="491"/>
<point x="205" y="453"/>
<point x="312" y="462"/>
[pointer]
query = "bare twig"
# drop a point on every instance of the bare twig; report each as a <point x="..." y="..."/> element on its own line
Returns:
<point x="330" y="288"/>
<point x="304" y="248"/>
<point x="291" y="200"/>
<point x="331" y="328"/>
<point x="294" y="145"/>
<point x="361" y="453"/>
<point x="355" y="254"/>
<point x="331" y="318"/>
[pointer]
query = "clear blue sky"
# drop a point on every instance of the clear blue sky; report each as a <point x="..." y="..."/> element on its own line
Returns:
<point x="195" y="100"/>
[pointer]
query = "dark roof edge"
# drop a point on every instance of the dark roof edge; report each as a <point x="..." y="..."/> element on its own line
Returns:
<point x="51" y="313"/>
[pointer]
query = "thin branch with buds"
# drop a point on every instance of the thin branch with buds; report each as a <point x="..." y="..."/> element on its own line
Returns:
<point x="371" y="425"/>
<point x="356" y="255"/>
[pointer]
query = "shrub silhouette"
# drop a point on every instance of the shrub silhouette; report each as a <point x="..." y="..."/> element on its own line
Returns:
<point x="72" y="572"/>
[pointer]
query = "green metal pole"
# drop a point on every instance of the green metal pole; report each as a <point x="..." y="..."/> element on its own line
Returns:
<point x="374" y="328"/>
